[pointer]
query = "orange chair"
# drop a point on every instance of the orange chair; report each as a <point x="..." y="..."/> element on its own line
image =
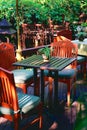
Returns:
<point x="67" y="75"/>
<point x="15" y="106"/>
<point x="23" y="77"/>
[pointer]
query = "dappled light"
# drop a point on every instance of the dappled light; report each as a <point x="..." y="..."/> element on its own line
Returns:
<point x="43" y="64"/>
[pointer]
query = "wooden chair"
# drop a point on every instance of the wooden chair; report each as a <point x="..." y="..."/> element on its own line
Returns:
<point x="65" y="33"/>
<point x="23" y="77"/>
<point x="14" y="105"/>
<point x="60" y="38"/>
<point x="67" y="75"/>
<point x="81" y="60"/>
<point x="81" y="63"/>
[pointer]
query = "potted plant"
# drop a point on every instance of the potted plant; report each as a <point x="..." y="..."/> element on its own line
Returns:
<point x="45" y="52"/>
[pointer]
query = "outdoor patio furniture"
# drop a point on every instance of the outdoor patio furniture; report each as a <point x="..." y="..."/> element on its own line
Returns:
<point x="65" y="33"/>
<point x="68" y="75"/>
<point x="23" y="77"/>
<point x="60" y="38"/>
<point x="82" y="55"/>
<point x="15" y="106"/>
<point x="54" y="65"/>
<point x="81" y="65"/>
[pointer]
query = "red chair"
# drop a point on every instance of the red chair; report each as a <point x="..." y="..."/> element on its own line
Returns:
<point x="23" y="77"/>
<point x="15" y="106"/>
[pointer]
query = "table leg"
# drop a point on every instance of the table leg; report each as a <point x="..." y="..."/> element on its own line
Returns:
<point x="42" y="85"/>
<point x="56" y="88"/>
<point x="35" y="81"/>
<point x="85" y="69"/>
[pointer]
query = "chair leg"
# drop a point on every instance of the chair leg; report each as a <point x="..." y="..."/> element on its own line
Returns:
<point x="68" y="97"/>
<point x="16" y="122"/>
<point x="41" y="118"/>
<point x="68" y="92"/>
<point x="69" y="85"/>
<point x="37" y="89"/>
<point x="40" y="123"/>
<point x="50" y="91"/>
<point x="75" y="86"/>
<point x="24" y="89"/>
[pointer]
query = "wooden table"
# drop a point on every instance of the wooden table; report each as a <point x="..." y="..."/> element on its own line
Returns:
<point x="55" y="64"/>
<point x="82" y="47"/>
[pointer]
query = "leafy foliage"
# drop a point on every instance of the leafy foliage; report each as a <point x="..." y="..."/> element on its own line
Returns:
<point x="84" y="24"/>
<point x="7" y="9"/>
<point x="46" y="51"/>
<point x="38" y="11"/>
<point x="81" y="119"/>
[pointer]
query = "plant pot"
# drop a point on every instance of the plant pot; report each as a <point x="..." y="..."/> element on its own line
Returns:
<point x="45" y="58"/>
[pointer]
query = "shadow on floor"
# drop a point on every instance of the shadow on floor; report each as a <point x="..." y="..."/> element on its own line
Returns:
<point x="61" y="119"/>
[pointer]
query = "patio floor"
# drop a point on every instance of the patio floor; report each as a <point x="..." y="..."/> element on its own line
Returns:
<point x="57" y="120"/>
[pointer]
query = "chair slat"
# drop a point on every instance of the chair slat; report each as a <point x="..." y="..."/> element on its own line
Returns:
<point x="10" y="106"/>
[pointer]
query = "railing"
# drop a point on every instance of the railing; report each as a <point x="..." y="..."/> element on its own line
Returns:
<point x="29" y="51"/>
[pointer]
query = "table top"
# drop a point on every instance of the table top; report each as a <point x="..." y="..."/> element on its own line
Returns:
<point x="82" y="46"/>
<point x="80" y="42"/>
<point x="36" y="61"/>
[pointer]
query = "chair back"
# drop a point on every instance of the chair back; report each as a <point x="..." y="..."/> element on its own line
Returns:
<point x="8" y="96"/>
<point x="65" y="33"/>
<point x="65" y="49"/>
<point x="60" y="38"/>
<point x="7" y="56"/>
